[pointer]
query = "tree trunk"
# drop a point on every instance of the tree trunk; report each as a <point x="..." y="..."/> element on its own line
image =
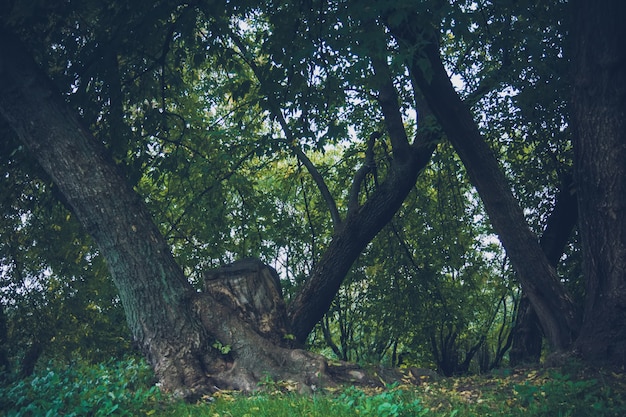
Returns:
<point x="155" y="294"/>
<point x="195" y="341"/>
<point x="363" y="222"/>
<point x="599" y="103"/>
<point x="252" y="289"/>
<point x="173" y="324"/>
<point x="356" y="231"/>
<point x="5" y="363"/>
<point x="538" y="278"/>
<point x="527" y="334"/>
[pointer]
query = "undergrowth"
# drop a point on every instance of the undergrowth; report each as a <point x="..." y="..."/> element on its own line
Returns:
<point x="126" y="388"/>
<point x="122" y="388"/>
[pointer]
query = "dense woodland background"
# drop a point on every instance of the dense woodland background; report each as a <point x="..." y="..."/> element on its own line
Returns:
<point x="272" y="130"/>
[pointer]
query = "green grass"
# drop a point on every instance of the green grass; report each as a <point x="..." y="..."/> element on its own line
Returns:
<point x="125" y="388"/>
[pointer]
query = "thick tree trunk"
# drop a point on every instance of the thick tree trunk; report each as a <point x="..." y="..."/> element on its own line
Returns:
<point x="173" y="324"/>
<point x="599" y="103"/>
<point x="194" y="342"/>
<point x="554" y="307"/>
<point x="252" y="289"/>
<point x="155" y="294"/>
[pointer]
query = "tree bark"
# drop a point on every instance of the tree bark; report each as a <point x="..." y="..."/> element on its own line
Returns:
<point x="555" y="309"/>
<point x="599" y="118"/>
<point x="252" y="289"/>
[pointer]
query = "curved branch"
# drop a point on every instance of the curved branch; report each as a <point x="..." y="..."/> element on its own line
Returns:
<point x="317" y="177"/>
<point x="277" y="114"/>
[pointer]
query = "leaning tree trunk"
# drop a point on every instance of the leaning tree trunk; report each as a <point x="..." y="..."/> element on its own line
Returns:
<point x="538" y="278"/>
<point x="354" y="234"/>
<point x="235" y="332"/>
<point x="527" y="333"/>
<point x="176" y="327"/>
<point x="599" y="103"/>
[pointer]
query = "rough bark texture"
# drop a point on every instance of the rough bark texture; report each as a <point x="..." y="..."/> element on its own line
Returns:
<point x="599" y="103"/>
<point x="252" y="289"/>
<point x="554" y="307"/>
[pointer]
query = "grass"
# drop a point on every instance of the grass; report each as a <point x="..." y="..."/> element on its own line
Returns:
<point x="125" y="388"/>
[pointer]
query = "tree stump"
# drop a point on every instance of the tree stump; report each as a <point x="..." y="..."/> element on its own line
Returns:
<point x="252" y="290"/>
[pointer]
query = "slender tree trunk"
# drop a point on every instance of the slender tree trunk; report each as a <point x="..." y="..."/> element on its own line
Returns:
<point x="527" y="334"/>
<point x="555" y="309"/>
<point x="599" y="103"/>
<point x="5" y="363"/>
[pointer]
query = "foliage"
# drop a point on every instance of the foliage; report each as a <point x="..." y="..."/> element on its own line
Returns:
<point x="124" y="388"/>
<point x="389" y="403"/>
<point x="55" y="291"/>
<point x="189" y="102"/>
<point x="430" y="287"/>
<point x="127" y="388"/>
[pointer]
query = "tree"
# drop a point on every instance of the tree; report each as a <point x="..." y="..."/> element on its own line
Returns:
<point x="284" y="81"/>
<point x="554" y="307"/>
<point x="557" y="314"/>
<point x="174" y="325"/>
<point x="168" y="319"/>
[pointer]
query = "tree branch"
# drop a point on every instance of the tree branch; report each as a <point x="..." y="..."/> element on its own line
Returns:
<point x="368" y="166"/>
<point x="388" y="99"/>
<point x="277" y="114"/>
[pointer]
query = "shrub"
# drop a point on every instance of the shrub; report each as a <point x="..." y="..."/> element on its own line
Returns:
<point x="389" y="403"/>
<point x="122" y="388"/>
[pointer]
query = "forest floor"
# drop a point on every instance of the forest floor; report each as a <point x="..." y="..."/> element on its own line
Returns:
<point x="570" y="390"/>
<point x="126" y="388"/>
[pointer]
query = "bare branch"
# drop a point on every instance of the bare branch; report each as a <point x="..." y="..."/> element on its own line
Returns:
<point x="368" y="166"/>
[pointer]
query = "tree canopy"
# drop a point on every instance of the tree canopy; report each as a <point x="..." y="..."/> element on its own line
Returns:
<point x="436" y="183"/>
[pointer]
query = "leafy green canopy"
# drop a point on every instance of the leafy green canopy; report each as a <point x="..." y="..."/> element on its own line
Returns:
<point x="209" y="107"/>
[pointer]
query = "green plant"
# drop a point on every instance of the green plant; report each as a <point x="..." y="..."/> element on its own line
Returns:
<point x="224" y="349"/>
<point x="562" y="394"/>
<point x="389" y="403"/>
<point x="122" y="388"/>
